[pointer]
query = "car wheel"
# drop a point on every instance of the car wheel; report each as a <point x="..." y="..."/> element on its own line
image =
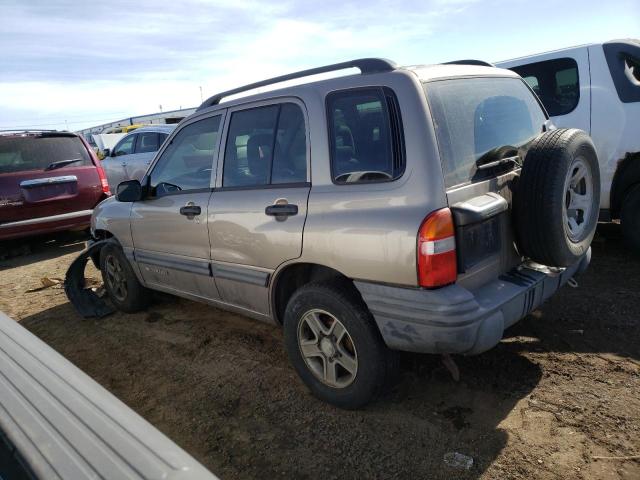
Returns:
<point x="630" y="219"/>
<point x="557" y="199"/>
<point x="335" y="346"/>
<point x="120" y="282"/>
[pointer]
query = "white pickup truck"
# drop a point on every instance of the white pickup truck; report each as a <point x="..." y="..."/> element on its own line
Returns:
<point x="596" y="88"/>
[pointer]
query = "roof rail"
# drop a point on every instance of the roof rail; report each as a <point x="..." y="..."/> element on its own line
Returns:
<point x="26" y="130"/>
<point x="480" y="63"/>
<point x="366" y="65"/>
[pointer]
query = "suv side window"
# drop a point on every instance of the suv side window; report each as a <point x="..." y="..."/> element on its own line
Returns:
<point x="556" y="82"/>
<point x="187" y="161"/>
<point x="125" y="147"/>
<point x="365" y="136"/>
<point x="148" y="142"/>
<point x="266" y="145"/>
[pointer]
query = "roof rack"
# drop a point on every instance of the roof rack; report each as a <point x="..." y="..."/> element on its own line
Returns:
<point x="23" y="130"/>
<point x="366" y="65"/>
<point x="470" y="61"/>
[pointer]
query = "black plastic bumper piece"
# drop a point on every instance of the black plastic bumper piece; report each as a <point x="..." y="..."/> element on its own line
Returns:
<point x="85" y="300"/>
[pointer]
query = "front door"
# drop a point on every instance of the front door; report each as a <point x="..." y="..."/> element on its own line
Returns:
<point x="257" y="212"/>
<point x="169" y="227"/>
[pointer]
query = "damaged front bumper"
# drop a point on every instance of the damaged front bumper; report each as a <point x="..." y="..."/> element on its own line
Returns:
<point x="85" y="300"/>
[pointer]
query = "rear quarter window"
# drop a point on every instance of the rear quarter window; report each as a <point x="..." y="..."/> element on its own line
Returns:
<point x="476" y="116"/>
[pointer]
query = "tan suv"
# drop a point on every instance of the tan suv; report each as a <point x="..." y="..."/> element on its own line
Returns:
<point x="423" y="209"/>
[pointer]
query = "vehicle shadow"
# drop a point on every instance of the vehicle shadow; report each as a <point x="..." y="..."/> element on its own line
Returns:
<point x="18" y="253"/>
<point x="601" y="315"/>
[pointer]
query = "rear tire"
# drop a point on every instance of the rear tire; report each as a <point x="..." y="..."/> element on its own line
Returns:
<point x="630" y="219"/>
<point x="120" y="282"/>
<point x="345" y="341"/>
<point x="556" y="203"/>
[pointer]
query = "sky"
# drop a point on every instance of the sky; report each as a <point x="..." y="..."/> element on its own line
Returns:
<point x="70" y="64"/>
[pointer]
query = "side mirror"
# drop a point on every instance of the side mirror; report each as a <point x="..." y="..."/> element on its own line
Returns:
<point x="106" y="152"/>
<point x="129" y="191"/>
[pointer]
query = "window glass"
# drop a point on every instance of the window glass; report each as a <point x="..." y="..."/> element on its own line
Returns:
<point x="365" y="141"/>
<point x="187" y="162"/>
<point x="557" y="83"/>
<point x="533" y="83"/>
<point x="623" y="60"/>
<point x="476" y="117"/>
<point x="266" y="145"/>
<point x="290" y="154"/>
<point x="125" y="147"/>
<point x="49" y="151"/>
<point x="148" y="142"/>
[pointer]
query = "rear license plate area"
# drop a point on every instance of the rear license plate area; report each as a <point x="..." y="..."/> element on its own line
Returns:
<point x="478" y="241"/>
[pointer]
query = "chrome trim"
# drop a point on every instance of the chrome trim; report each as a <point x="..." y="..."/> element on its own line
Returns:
<point x="52" y="218"/>
<point x="37" y="182"/>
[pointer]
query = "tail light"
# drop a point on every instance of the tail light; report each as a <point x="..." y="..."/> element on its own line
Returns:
<point x="103" y="179"/>
<point x="437" y="250"/>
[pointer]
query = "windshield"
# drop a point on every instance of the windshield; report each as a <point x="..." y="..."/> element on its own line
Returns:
<point x="41" y="152"/>
<point x="474" y="116"/>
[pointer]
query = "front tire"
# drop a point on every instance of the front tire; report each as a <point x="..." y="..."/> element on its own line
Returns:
<point x="334" y="345"/>
<point x="120" y="282"/>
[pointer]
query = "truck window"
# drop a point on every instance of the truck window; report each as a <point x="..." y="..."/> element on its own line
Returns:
<point x="555" y="81"/>
<point x="623" y="59"/>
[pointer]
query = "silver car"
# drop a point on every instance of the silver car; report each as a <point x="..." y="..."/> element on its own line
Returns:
<point x="423" y="209"/>
<point x="132" y="155"/>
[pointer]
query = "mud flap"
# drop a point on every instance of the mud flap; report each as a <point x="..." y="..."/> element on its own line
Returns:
<point x="85" y="301"/>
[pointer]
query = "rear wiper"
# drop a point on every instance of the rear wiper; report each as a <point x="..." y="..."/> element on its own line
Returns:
<point x="503" y="161"/>
<point x="61" y="163"/>
<point x="504" y="155"/>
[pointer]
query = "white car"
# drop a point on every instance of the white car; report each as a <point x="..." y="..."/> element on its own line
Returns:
<point x="596" y="88"/>
<point x="131" y="156"/>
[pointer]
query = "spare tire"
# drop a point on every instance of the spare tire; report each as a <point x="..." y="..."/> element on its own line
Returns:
<point x="557" y="198"/>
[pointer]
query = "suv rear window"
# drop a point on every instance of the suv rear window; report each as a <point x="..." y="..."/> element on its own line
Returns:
<point x="555" y="81"/>
<point x="473" y="116"/>
<point x="31" y="152"/>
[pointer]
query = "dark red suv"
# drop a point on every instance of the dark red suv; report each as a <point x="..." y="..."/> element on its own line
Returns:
<point x="49" y="181"/>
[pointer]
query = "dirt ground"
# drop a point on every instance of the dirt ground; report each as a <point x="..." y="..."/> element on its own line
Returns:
<point x="561" y="389"/>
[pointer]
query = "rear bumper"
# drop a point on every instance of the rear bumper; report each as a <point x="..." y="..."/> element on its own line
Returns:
<point x="37" y="226"/>
<point x="453" y="319"/>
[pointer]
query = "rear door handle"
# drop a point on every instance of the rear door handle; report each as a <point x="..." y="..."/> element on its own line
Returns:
<point x="286" y="209"/>
<point x="190" y="211"/>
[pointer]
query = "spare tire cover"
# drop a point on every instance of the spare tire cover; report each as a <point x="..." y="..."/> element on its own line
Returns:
<point x="557" y="198"/>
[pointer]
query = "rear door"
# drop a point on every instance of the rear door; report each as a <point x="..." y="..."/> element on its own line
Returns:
<point x="479" y="122"/>
<point x="258" y="209"/>
<point x="43" y="175"/>
<point x="170" y="227"/>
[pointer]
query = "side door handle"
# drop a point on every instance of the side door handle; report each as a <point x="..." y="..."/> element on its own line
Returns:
<point x="190" y="210"/>
<point x="282" y="209"/>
